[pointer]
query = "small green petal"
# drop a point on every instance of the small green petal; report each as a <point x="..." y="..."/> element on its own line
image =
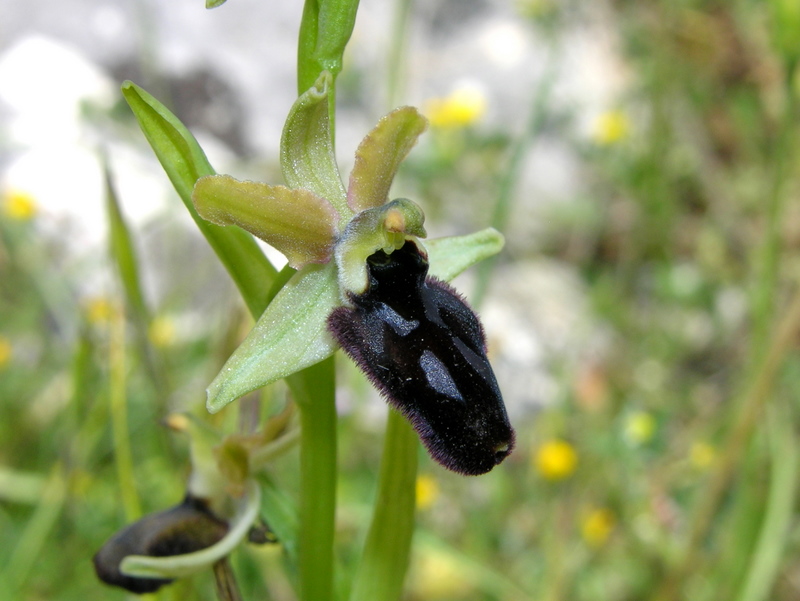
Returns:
<point x="379" y="155"/>
<point x="298" y="223"/>
<point x="291" y="335"/>
<point x="386" y="227"/>
<point x="450" y="256"/>
<point x="307" y="155"/>
<point x="178" y="566"/>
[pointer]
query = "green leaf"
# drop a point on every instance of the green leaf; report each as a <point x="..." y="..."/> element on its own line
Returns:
<point x="324" y="32"/>
<point x="123" y="252"/>
<point x="214" y="3"/>
<point x="184" y="162"/>
<point x="307" y="156"/>
<point x="770" y="549"/>
<point x="298" y="223"/>
<point x="380" y="154"/>
<point x="291" y="335"/>
<point x="450" y="256"/>
<point x="280" y="513"/>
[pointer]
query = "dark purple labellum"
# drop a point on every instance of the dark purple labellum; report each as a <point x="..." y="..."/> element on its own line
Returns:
<point x="424" y="349"/>
<point x="185" y="528"/>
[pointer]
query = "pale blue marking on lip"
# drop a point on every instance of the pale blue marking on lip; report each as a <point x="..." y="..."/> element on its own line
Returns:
<point x="438" y="376"/>
<point x="401" y="325"/>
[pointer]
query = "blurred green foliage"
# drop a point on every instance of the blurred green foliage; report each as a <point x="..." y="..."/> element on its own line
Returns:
<point x="684" y="434"/>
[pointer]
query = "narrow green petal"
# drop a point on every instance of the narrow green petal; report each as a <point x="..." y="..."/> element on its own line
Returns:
<point x="178" y="566"/>
<point x="450" y="256"/>
<point x="298" y="223"/>
<point x="291" y="335"/>
<point x="307" y="155"/>
<point x="379" y="155"/>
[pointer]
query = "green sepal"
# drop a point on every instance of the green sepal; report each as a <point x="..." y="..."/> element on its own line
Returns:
<point x="291" y="335"/>
<point x="214" y="3"/>
<point x="184" y="162"/>
<point x="296" y="222"/>
<point x="307" y="155"/>
<point x="450" y="256"/>
<point x="379" y="155"/>
<point x="381" y="228"/>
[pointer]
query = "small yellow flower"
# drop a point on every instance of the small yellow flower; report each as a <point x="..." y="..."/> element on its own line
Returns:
<point x="611" y="127"/>
<point x="20" y="205"/>
<point x="597" y="525"/>
<point x="702" y="455"/>
<point x="463" y="107"/>
<point x="161" y="332"/>
<point x="640" y="426"/>
<point x="99" y="310"/>
<point x="440" y="576"/>
<point x="555" y="460"/>
<point x="6" y="351"/>
<point x="536" y="8"/>
<point x="427" y="491"/>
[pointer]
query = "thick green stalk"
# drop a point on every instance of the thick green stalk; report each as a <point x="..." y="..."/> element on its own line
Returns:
<point x="314" y="391"/>
<point x="502" y="208"/>
<point x="385" y="558"/>
<point x="324" y="32"/>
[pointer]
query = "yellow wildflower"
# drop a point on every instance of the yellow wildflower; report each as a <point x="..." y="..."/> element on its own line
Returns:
<point x="464" y="106"/>
<point x="161" y="332"/>
<point x="555" y="460"/>
<point x="536" y="9"/>
<point x="427" y="491"/>
<point x="6" y="351"/>
<point x="99" y="310"/>
<point x="441" y="576"/>
<point x="701" y="455"/>
<point x="597" y="526"/>
<point x="640" y="426"/>
<point x="19" y="205"/>
<point x="611" y="127"/>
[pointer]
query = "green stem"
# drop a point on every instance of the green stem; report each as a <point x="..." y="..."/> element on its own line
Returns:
<point x="314" y="391"/>
<point x="733" y="449"/>
<point x="118" y="408"/>
<point x="397" y="46"/>
<point x="502" y="208"/>
<point x="385" y="558"/>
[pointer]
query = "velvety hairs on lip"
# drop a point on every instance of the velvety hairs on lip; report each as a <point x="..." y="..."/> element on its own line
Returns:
<point x="424" y="349"/>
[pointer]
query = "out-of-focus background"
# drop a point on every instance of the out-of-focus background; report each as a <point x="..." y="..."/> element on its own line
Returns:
<point x="642" y="161"/>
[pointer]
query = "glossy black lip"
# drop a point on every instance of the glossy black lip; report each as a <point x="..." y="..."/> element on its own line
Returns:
<point x="423" y="347"/>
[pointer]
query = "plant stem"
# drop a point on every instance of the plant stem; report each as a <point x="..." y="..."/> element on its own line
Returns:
<point x="225" y="580"/>
<point x="385" y="558"/>
<point x="751" y="408"/>
<point x="314" y="391"/>
<point x="502" y="208"/>
<point x="118" y="408"/>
